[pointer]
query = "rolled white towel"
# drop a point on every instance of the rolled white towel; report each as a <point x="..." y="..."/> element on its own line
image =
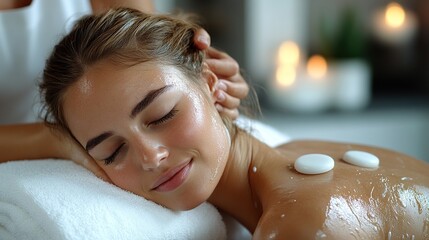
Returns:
<point x="60" y="200"/>
<point x="54" y="199"/>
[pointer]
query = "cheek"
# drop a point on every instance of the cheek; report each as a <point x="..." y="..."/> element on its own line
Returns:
<point x="194" y="126"/>
<point x="126" y="176"/>
<point x="204" y="131"/>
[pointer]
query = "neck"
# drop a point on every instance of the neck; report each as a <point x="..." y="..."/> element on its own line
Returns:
<point x="235" y="193"/>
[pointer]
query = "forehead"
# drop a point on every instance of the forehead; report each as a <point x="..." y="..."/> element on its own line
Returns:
<point x="106" y="81"/>
<point x="106" y="74"/>
<point x="107" y="89"/>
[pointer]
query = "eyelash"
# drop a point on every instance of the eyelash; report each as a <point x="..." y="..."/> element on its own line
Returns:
<point x="112" y="157"/>
<point x="164" y="119"/>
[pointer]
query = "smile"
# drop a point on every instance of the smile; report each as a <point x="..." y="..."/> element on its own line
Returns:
<point x="173" y="178"/>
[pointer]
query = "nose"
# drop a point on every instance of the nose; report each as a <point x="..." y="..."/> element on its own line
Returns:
<point x="150" y="153"/>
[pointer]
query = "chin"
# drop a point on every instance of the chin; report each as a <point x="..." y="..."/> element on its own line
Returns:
<point x="190" y="201"/>
<point x="186" y="207"/>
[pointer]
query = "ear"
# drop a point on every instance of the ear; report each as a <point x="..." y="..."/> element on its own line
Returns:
<point x="211" y="80"/>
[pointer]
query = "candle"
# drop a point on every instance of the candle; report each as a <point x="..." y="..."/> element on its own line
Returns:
<point x="394" y="25"/>
<point x="313" y="91"/>
<point x="297" y="88"/>
<point x="269" y="23"/>
<point x="317" y="67"/>
<point x="287" y="62"/>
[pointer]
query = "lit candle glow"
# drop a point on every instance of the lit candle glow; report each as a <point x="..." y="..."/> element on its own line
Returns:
<point x="395" y="15"/>
<point x="298" y="87"/>
<point x="285" y="76"/>
<point x="394" y="25"/>
<point x="287" y="62"/>
<point x="317" y="67"/>
<point x="288" y="54"/>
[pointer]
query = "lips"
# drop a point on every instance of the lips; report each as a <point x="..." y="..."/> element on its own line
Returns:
<point x="173" y="178"/>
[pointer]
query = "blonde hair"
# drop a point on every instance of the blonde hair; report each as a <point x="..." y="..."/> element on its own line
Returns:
<point x="124" y="36"/>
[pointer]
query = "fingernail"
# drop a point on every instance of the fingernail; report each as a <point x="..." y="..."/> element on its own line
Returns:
<point x="203" y="39"/>
<point x="221" y="86"/>
<point x="221" y="96"/>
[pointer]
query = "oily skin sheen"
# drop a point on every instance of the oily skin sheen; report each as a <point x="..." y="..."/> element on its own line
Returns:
<point x="173" y="130"/>
<point x="273" y="201"/>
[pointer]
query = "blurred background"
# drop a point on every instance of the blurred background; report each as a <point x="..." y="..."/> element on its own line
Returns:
<point x="341" y="70"/>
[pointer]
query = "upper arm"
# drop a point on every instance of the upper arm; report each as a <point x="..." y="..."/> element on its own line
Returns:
<point x="99" y="6"/>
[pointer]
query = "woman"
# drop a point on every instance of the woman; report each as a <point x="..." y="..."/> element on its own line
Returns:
<point x="32" y="27"/>
<point x="133" y="91"/>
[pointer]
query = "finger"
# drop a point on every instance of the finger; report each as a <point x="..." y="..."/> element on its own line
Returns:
<point x="226" y="101"/>
<point x="74" y="151"/>
<point x="215" y="53"/>
<point x="97" y="170"/>
<point x="82" y="158"/>
<point x="229" y="113"/>
<point x="221" y="63"/>
<point x="223" y="68"/>
<point x="202" y="39"/>
<point x="238" y="89"/>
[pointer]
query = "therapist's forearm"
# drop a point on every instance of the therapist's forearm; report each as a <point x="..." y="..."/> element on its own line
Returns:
<point x="99" y="6"/>
<point x="27" y="141"/>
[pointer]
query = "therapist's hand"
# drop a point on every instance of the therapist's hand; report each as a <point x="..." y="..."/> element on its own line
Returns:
<point x="68" y="148"/>
<point x="231" y="87"/>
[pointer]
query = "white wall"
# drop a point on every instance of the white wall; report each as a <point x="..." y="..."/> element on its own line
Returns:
<point x="269" y="23"/>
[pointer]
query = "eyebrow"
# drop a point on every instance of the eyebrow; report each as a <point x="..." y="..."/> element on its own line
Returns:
<point x="152" y="95"/>
<point x="140" y="106"/>
<point x="97" y="140"/>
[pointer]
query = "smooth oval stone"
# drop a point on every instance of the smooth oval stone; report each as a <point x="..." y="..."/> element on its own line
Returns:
<point x="314" y="163"/>
<point x="361" y="159"/>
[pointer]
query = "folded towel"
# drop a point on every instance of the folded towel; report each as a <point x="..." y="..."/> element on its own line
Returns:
<point x="55" y="199"/>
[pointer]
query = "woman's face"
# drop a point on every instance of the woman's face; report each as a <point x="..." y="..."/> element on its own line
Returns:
<point x="152" y="131"/>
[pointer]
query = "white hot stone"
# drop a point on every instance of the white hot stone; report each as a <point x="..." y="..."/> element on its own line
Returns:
<point x="361" y="159"/>
<point x="314" y="163"/>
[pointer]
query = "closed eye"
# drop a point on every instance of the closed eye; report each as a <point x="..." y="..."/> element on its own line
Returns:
<point x="165" y="118"/>
<point x="112" y="157"/>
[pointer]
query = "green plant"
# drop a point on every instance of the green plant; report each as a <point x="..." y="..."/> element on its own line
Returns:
<point x="345" y="39"/>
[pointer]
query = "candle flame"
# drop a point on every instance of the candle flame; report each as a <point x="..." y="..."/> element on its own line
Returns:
<point x="288" y="54"/>
<point x="317" y="67"/>
<point x="285" y="75"/>
<point x="395" y="15"/>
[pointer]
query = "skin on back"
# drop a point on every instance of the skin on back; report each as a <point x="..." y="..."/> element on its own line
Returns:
<point x="345" y="203"/>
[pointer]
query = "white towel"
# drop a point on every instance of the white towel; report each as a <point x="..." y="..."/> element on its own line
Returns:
<point x="55" y="199"/>
<point x="265" y="133"/>
<point x="60" y="200"/>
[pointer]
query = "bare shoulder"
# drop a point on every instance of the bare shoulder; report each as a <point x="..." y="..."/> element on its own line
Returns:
<point x="348" y="201"/>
